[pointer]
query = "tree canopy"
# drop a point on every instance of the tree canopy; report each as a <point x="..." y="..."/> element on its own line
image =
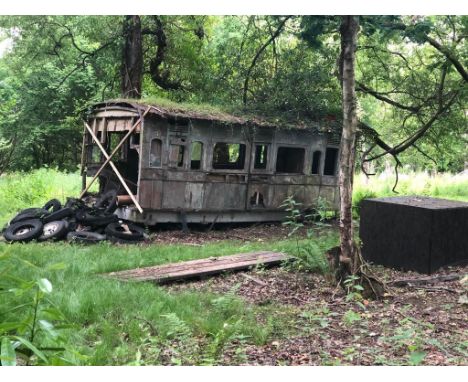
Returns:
<point x="411" y="78"/>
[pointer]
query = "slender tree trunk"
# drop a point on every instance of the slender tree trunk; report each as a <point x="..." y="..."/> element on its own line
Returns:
<point x="132" y="58"/>
<point x="349" y="31"/>
<point x="346" y="260"/>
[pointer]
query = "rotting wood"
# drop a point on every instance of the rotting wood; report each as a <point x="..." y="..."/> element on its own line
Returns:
<point x="116" y="149"/>
<point x="204" y="267"/>
<point x="116" y="171"/>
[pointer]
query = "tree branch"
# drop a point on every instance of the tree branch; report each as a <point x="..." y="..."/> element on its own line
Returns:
<point x="449" y="55"/>
<point x="402" y="146"/>
<point x="363" y="88"/>
<point x="161" y="78"/>
<point x="257" y="56"/>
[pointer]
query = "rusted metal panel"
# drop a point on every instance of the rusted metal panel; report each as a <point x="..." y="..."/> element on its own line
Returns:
<point x="328" y="193"/>
<point x="214" y="196"/>
<point x="311" y="194"/>
<point x="155" y="216"/>
<point x="224" y="196"/>
<point x="156" y="197"/>
<point x="328" y="180"/>
<point x="260" y="196"/>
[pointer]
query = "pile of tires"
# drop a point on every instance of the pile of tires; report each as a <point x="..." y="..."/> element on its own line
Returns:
<point x="75" y="222"/>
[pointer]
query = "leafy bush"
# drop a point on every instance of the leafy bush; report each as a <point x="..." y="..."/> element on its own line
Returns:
<point x="358" y="197"/>
<point x="30" y="324"/>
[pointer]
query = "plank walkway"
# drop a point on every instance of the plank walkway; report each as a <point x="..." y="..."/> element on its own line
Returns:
<point x="197" y="268"/>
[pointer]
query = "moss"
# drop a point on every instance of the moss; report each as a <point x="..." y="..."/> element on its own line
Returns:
<point x="233" y="115"/>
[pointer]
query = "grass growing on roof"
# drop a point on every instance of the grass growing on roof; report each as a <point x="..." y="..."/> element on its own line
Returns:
<point x="228" y="114"/>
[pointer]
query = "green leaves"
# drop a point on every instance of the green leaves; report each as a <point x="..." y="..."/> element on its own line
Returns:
<point x="31" y="347"/>
<point x="35" y="325"/>
<point x="7" y="353"/>
<point x="48" y="327"/>
<point x="45" y="285"/>
<point x="416" y="358"/>
<point x="350" y="317"/>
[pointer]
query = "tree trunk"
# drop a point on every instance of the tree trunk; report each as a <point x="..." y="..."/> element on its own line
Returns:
<point x="349" y="31"/>
<point x="132" y="58"/>
<point x="346" y="260"/>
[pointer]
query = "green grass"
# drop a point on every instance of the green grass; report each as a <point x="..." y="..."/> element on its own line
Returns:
<point x="111" y="317"/>
<point x="446" y="186"/>
<point x="119" y="323"/>
<point x="24" y="190"/>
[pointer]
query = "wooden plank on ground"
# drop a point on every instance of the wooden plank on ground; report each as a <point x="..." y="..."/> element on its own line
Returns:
<point x="203" y="267"/>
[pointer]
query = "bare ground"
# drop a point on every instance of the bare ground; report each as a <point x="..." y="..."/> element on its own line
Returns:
<point x="316" y="324"/>
<point x="199" y="234"/>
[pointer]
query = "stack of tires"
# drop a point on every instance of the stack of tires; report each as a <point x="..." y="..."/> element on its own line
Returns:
<point x="75" y="221"/>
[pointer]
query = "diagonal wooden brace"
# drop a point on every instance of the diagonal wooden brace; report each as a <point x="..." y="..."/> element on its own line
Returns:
<point x="113" y="168"/>
<point x="135" y="125"/>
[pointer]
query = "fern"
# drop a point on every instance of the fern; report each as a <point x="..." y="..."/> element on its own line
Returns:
<point x="176" y="327"/>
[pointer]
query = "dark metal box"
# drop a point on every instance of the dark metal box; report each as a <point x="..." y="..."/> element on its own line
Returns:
<point x="414" y="233"/>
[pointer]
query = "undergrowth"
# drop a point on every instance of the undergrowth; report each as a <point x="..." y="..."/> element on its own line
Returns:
<point x="446" y="186"/>
<point x="24" y="190"/>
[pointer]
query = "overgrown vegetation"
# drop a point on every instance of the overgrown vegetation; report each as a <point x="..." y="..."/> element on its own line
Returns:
<point x="445" y="185"/>
<point x="22" y="190"/>
<point x="120" y="323"/>
<point x="86" y="319"/>
<point x="411" y="85"/>
<point x="409" y="68"/>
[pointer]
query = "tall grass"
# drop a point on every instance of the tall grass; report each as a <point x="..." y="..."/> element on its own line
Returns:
<point x="23" y="190"/>
<point x="447" y="186"/>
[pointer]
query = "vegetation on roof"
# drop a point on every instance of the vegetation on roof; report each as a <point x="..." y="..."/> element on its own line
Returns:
<point x="227" y="114"/>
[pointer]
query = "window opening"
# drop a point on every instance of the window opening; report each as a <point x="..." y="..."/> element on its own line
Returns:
<point x="196" y="155"/>
<point x="316" y="162"/>
<point x="155" y="152"/>
<point x="261" y="157"/>
<point x="176" y="155"/>
<point x="228" y="156"/>
<point x="331" y="156"/>
<point x="290" y="160"/>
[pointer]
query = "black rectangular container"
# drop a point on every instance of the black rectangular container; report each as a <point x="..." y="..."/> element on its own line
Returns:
<point x="414" y="232"/>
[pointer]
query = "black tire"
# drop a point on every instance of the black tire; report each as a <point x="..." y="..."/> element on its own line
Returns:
<point x="28" y="214"/>
<point x="53" y="204"/>
<point x="72" y="224"/>
<point x="118" y="231"/>
<point x="23" y="231"/>
<point x="116" y="240"/>
<point x="107" y="201"/>
<point x="74" y="203"/>
<point x="85" y="237"/>
<point x="58" y="215"/>
<point x="54" y="230"/>
<point x="95" y="218"/>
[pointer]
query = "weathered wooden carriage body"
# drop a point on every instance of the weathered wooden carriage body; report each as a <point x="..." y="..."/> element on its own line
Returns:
<point x="185" y="166"/>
